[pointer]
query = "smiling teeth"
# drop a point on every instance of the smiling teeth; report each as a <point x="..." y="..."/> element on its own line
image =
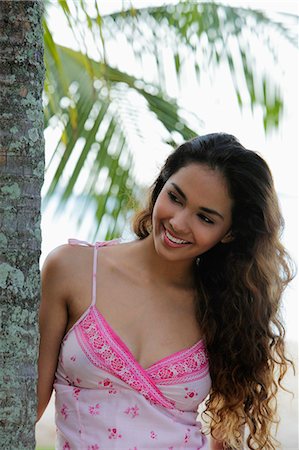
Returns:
<point x="175" y="240"/>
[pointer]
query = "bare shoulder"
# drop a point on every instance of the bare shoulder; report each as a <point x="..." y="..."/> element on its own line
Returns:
<point x="65" y="266"/>
<point x="66" y="256"/>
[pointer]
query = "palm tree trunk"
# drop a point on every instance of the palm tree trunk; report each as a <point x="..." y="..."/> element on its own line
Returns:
<point x="21" y="177"/>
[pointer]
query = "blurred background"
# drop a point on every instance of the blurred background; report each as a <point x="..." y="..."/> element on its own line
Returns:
<point x="127" y="81"/>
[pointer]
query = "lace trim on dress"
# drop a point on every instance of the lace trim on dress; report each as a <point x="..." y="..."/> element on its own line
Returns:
<point x="103" y="352"/>
<point x="180" y="369"/>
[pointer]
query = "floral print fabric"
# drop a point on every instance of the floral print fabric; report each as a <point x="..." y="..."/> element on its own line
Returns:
<point x="106" y="400"/>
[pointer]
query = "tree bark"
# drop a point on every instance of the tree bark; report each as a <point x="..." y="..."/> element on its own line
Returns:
<point x="21" y="177"/>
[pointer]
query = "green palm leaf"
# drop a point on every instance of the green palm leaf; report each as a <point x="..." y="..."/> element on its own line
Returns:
<point x="91" y="101"/>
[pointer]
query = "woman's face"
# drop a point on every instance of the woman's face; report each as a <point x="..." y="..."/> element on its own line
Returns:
<point x="193" y="212"/>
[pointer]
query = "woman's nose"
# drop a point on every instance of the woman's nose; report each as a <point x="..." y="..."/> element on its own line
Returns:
<point x="179" y="223"/>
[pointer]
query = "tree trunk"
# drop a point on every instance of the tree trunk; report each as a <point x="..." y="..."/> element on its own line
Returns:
<point x="21" y="177"/>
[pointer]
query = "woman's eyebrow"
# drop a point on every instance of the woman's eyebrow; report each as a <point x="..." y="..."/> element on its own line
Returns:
<point x="202" y="208"/>
<point x="179" y="191"/>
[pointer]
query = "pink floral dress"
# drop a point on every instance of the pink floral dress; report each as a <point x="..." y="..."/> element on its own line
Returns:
<point x="105" y="400"/>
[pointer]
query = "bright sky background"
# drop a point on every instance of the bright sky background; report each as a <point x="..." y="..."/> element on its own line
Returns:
<point x="219" y="112"/>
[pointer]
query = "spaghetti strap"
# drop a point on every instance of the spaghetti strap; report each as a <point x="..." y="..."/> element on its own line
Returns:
<point x="94" y="267"/>
<point x="94" y="275"/>
<point x="95" y="257"/>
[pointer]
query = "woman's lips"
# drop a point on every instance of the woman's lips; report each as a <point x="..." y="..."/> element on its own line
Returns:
<point x="173" y="241"/>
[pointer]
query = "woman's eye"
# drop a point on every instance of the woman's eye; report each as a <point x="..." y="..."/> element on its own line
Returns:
<point x="205" y="219"/>
<point x="173" y="197"/>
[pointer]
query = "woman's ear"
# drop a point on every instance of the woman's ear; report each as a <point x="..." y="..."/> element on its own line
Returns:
<point x="228" y="237"/>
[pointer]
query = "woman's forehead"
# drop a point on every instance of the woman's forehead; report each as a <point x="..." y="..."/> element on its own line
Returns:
<point x="200" y="183"/>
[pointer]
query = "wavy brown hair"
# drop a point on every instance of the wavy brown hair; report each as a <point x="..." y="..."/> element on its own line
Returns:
<point x="239" y="287"/>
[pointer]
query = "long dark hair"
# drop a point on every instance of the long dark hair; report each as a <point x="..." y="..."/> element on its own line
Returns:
<point x="238" y="291"/>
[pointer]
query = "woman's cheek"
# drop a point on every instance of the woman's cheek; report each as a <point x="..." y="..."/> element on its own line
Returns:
<point x="208" y="238"/>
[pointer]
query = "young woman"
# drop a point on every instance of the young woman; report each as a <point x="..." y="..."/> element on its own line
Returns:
<point x="134" y="336"/>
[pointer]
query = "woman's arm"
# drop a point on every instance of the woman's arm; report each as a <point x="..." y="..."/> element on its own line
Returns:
<point x="53" y="319"/>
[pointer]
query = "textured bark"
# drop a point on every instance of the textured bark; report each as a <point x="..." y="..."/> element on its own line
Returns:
<point x="21" y="177"/>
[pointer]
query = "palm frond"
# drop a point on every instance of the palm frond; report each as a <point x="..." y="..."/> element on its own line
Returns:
<point x="95" y="132"/>
<point x="90" y="97"/>
<point x="206" y="35"/>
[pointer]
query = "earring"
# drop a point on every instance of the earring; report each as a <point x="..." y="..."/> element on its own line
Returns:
<point x="197" y="261"/>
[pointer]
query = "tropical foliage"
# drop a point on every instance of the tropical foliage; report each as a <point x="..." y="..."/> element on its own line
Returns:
<point x="103" y="94"/>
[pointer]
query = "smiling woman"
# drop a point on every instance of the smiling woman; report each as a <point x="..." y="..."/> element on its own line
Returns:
<point x="186" y="312"/>
<point x="239" y="276"/>
<point x="193" y="211"/>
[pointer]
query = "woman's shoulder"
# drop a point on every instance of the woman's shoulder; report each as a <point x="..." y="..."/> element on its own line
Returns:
<point x="66" y="269"/>
<point x="75" y="258"/>
<point x="68" y="259"/>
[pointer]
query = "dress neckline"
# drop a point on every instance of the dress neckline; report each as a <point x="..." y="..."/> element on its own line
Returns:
<point x="109" y="330"/>
<point x="129" y="353"/>
<point x="116" y="338"/>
